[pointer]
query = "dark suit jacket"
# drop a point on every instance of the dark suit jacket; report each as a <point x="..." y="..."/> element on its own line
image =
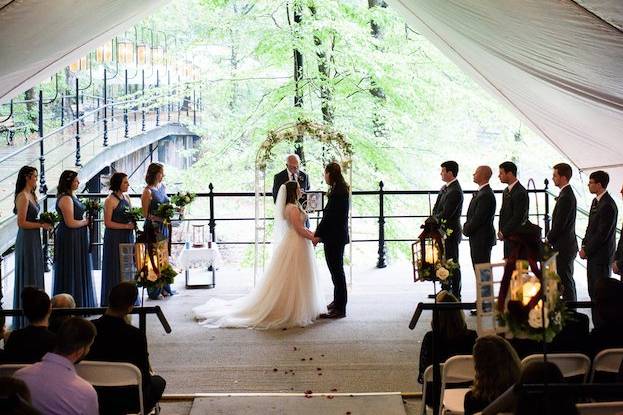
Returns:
<point x="28" y="345"/>
<point x="618" y="256"/>
<point x="599" y="240"/>
<point x="449" y="206"/>
<point x="514" y="210"/>
<point x="284" y="176"/>
<point x="562" y="233"/>
<point x="118" y="341"/>
<point x="480" y="214"/>
<point x="333" y="228"/>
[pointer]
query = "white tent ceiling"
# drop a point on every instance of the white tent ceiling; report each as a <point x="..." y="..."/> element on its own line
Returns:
<point x="556" y="63"/>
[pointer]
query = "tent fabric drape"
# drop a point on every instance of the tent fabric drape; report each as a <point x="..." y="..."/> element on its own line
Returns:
<point x="557" y="64"/>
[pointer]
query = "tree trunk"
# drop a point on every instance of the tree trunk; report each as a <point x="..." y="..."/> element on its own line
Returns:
<point x="31" y="109"/>
<point x="298" y="75"/>
<point x="326" y="94"/>
<point x="233" y="101"/>
<point x="378" y="120"/>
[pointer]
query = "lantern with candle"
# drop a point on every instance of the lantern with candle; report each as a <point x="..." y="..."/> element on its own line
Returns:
<point x="428" y="254"/>
<point x="151" y="259"/>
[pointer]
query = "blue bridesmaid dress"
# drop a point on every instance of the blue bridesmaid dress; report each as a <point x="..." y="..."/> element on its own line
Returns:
<point x="111" y="265"/>
<point x="29" y="266"/>
<point x="72" y="260"/>
<point x="158" y="197"/>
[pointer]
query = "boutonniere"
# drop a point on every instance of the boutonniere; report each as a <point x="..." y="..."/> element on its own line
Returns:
<point x="556" y="198"/>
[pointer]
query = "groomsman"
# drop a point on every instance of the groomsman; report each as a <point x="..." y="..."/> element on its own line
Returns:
<point x="599" y="241"/>
<point x="617" y="265"/>
<point x="448" y="207"/>
<point x="480" y="213"/>
<point x="562" y="233"/>
<point x="515" y="204"/>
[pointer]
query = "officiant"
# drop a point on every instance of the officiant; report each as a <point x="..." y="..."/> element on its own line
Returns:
<point x="292" y="173"/>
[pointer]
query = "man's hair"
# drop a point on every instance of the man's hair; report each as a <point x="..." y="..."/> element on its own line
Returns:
<point x="509" y="166"/>
<point x="36" y="304"/>
<point x="564" y="169"/>
<point x="123" y="296"/>
<point x="600" y="177"/>
<point x="451" y="166"/>
<point x="75" y="333"/>
<point x="63" y="300"/>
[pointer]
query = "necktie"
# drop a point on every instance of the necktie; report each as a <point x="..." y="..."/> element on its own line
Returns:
<point x="594" y="205"/>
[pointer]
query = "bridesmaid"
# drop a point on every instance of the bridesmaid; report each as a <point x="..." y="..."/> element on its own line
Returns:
<point x="119" y="230"/>
<point x="154" y="195"/>
<point x="72" y="262"/>
<point x="29" y="266"/>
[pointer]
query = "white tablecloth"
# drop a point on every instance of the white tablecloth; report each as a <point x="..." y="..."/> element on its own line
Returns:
<point x="199" y="257"/>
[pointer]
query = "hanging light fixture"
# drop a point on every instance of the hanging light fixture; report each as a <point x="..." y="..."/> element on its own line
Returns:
<point x="81" y="64"/>
<point x="125" y="51"/>
<point x="157" y="55"/>
<point x="142" y="54"/>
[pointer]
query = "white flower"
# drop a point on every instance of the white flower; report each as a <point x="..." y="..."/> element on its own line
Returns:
<point x="534" y="317"/>
<point x="442" y="273"/>
<point x="187" y="199"/>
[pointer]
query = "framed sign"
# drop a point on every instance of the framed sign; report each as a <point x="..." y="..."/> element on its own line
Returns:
<point x="126" y="261"/>
<point x="313" y="202"/>
<point x="486" y="297"/>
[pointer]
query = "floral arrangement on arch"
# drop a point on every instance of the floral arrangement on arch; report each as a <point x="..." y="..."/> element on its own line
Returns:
<point x="529" y="303"/>
<point x="322" y="132"/>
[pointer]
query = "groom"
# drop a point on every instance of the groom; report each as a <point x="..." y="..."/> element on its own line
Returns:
<point x="332" y="231"/>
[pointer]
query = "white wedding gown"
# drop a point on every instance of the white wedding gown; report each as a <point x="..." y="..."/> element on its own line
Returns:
<point x="288" y="295"/>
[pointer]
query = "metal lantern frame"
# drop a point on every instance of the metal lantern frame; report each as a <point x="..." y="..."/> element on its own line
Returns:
<point x="429" y="243"/>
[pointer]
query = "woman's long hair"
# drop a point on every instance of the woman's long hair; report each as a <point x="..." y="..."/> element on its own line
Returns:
<point x="152" y="172"/>
<point x="22" y="177"/>
<point x="337" y="182"/>
<point x="292" y="192"/>
<point x="497" y="367"/>
<point x="64" y="183"/>
<point x="450" y="324"/>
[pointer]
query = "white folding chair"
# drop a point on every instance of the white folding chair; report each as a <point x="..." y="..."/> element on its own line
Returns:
<point x="428" y="378"/>
<point x="107" y="374"/>
<point x="457" y="369"/>
<point x="570" y="364"/>
<point x="9" y="369"/>
<point x="608" y="360"/>
<point x="600" y="408"/>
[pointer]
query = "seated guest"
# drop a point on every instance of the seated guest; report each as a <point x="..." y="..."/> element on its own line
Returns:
<point x="453" y="338"/>
<point x="2" y="333"/>
<point x="60" y="301"/>
<point x="28" y="345"/>
<point x="118" y="341"/>
<point x="608" y="304"/>
<point x="497" y="368"/>
<point x="517" y="401"/>
<point x="55" y="386"/>
<point x="15" y="398"/>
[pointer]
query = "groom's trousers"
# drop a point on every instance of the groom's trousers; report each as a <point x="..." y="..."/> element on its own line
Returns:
<point x="334" y="254"/>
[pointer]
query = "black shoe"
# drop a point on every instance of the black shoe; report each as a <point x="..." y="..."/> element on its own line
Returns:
<point x="331" y="306"/>
<point x="333" y="314"/>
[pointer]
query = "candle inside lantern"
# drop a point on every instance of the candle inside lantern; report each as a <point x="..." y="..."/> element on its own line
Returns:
<point x="431" y="254"/>
<point x="530" y="289"/>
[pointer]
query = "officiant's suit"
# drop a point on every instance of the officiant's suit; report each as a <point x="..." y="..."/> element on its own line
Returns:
<point x="562" y="238"/>
<point x="599" y="240"/>
<point x="333" y="233"/>
<point x="448" y="207"/>
<point x="479" y="225"/>
<point x="513" y="213"/>
<point x="285" y="176"/>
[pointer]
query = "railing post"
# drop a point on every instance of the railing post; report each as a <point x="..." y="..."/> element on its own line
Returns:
<point x="1" y="295"/>
<point x="143" y="102"/>
<point x="105" y="111"/>
<point x="126" y="128"/>
<point x="78" y="164"/>
<point x="158" y="106"/>
<point x="46" y="242"/>
<point x="546" y="217"/>
<point x="169" y="101"/>
<point x="381" y="261"/>
<point x="194" y="107"/>
<point x="212" y="222"/>
<point x="62" y="110"/>
<point x="43" y="187"/>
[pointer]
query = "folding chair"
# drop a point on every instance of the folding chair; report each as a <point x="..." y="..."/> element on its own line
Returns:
<point x="600" y="408"/>
<point x="457" y="369"/>
<point x="608" y="360"/>
<point x="107" y="374"/>
<point x="428" y="378"/>
<point x="570" y="364"/>
<point x="9" y="369"/>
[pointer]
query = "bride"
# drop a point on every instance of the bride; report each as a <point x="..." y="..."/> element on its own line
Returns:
<point x="289" y="293"/>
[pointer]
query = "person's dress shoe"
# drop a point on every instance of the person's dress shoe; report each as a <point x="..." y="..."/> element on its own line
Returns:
<point x="333" y="314"/>
<point x="331" y="306"/>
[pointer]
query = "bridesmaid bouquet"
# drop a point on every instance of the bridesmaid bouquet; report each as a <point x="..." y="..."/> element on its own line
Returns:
<point x="92" y="207"/>
<point x="166" y="212"/>
<point x="135" y="215"/>
<point x="181" y="199"/>
<point x="51" y="218"/>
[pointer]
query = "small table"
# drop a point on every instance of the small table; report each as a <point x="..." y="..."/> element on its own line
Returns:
<point x="199" y="257"/>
